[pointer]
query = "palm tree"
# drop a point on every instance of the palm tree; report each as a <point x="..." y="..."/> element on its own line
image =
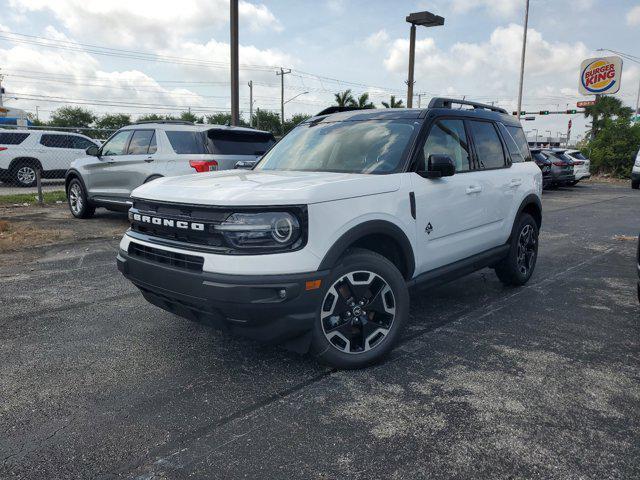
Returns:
<point x="605" y="108"/>
<point x="363" y="102"/>
<point x="393" y="103"/>
<point x="344" y="99"/>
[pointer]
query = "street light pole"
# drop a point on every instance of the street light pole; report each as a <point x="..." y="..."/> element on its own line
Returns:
<point x="282" y="73"/>
<point x="250" y="102"/>
<point x="524" y="49"/>
<point x="425" y="19"/>
<point x="295" y="96"/>
<point x="235" y="86"/>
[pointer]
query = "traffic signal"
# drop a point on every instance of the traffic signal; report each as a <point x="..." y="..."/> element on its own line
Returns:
<point x="572" y="111"/>
<point x="544" y="112"/>
<point x="522" y="112"/>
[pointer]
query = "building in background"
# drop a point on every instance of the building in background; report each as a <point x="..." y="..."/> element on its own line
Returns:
<point x="13" y="116"/>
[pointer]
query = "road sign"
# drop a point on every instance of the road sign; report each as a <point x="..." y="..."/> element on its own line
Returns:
<point x="586" y="103"/>
<point x="529" y="118"/>
<point x="600" y="75"/>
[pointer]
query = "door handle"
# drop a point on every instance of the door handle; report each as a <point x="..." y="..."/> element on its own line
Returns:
<point x="148" y="160"/>
<point x="515" y="182"/>
<point x="473" y="189"/>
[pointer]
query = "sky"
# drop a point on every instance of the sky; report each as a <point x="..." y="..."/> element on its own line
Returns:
<point x="148" y="56"/>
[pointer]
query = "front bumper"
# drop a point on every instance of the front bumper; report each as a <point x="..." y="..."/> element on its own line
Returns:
<point x="563" y="179"/>
<point x="268" y="308"/>
<point x="635" y="176"/>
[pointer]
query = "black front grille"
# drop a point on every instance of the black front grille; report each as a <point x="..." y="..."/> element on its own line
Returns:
<point x="178" y="260"/>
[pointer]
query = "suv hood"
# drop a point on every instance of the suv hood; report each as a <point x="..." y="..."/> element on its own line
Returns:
<point x="250" y="187"/>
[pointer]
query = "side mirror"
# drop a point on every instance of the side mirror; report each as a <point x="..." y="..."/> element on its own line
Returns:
<point x="92" y="151"/>
<point x="439" y="166"/>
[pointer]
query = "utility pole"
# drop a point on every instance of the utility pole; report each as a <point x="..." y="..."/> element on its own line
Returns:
<point x="419" y="99"/>
<point x="637" y="101"/>
<point x="37" y="116"/>
<point x="1" y="90"/>
<point x="524" y="49"/>
<point x="412" y="59"/>
<point x="282" y="73"/>
<point x="250" y="102"/>
<point x="235" y="87"/>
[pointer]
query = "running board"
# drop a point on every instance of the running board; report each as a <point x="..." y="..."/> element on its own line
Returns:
<point x="460" y="268"/>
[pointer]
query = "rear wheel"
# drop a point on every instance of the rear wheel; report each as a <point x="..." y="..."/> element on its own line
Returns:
<point x="517" y="267"/>
<point x="78" y="201"/>
<point x="364" y="307"/>
<point x="23" y="173"/>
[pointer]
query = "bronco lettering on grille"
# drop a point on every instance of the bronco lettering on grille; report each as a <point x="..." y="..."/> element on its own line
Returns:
<point x="167" y="222"/>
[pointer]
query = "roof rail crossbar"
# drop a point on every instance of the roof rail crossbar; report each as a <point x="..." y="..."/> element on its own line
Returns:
<point x="441" y="102"/>
<point x="175" y="122"/>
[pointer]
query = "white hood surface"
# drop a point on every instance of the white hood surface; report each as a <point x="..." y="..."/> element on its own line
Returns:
<point x="259" y="187"/>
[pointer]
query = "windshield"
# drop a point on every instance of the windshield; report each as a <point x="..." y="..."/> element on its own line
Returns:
<point x="373" y="146"/>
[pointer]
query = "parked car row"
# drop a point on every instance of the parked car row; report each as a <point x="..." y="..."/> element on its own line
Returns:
<point x="561" y="167"/>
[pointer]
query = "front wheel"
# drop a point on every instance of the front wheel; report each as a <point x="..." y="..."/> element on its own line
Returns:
<point x="517" y="267"/>
<point x="78" y="201"/>
<point x="24" y="174"/>
<point x="364" y="307"/>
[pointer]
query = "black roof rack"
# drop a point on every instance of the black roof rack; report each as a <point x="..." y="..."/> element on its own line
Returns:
<point x="175" y="122"/>
<point x="441" y="102"/>
<point x="336" y="109"/>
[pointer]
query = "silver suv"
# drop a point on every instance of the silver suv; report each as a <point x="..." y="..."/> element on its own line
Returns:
<point x="144" y="151"/>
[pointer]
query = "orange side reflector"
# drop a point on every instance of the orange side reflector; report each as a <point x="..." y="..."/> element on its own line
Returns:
<point x="313" y="284"/>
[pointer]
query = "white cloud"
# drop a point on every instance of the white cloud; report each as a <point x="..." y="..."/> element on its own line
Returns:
<point x="150" y="23"/>
<point x="377" y="39"/>
<point x="633" y="16"/>
<point x="336" y="6"/>
<point x="499" y="8"/>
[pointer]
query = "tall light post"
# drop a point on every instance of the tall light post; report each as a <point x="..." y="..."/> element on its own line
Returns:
<point x="235" y="84"/>
<point x="524" y="49"/>
<point x="424" y="19"/>
<point x="535" y="130"/>
<point x="295" y="96"/>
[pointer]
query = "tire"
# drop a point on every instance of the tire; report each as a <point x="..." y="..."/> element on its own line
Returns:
<point x="635" y="184"/>
<point x="78" y="202"/>
<point x="518" y="266"/>
<point x="365" y="304"/>
<point x="23" y="173"/>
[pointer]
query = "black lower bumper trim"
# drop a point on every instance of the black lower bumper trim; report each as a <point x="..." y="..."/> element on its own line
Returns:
<point x="268" y="308"/>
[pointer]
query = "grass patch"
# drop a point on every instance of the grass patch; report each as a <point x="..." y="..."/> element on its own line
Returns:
<point x="31" y="198"/>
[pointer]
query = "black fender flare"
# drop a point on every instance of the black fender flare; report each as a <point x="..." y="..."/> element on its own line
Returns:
<point x="380" y="227"/>
<point x="152" y="177"/>
<point x="73" y="173"/>
<point x="17" y="160"/>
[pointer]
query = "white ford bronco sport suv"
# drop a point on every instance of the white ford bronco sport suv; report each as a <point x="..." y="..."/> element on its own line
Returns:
<point x="317" y="245"/>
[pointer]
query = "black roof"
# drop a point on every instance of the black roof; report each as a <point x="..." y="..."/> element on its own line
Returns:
<point x="437" y="105"/>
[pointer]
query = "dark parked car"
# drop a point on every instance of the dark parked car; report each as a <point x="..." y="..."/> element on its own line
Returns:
<point x="638" y="266"/>
<point x="544" y="163"/>
<point x="561" y="168"/>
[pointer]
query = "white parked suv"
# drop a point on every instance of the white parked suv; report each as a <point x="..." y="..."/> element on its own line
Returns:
<point x="581" y="165"/>
<point x="145" y="151"/>
<point x="317" y="246"/>
<point x="24" y="151"/>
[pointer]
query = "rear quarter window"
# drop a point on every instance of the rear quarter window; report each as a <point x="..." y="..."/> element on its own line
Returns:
<point x="12" y="138"/>
<point x="186" y="142"/>
<point x="521" y="141"/>
<point x="228" y="142"/>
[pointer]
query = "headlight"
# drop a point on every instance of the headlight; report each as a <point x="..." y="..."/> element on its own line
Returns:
<point x="264" y="230"/>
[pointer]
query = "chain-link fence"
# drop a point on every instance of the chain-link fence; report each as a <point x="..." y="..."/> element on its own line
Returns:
<point x="23" y="151"/>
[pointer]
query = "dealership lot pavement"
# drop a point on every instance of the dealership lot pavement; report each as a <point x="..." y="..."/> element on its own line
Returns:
<point x="537" y="382"/>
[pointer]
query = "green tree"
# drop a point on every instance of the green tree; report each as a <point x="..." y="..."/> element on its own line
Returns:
<point x="614" y="147"/>
<point x="344" y="99"/>
<point x="269" y="121"/>
<point x="295" y="120"/>
<point x="363" y="101"/>
<point x="191" y="117"/>
<point x="606" y="107"/>
<point x="154" y="117"/>
<point x="219" y="119"/>
<point x="113" y="121"/>
<point x="72" y="117"/>
<point x="393" y="103"/>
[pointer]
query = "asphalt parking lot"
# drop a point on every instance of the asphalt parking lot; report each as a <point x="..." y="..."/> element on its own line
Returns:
<point x="536" y="382"/>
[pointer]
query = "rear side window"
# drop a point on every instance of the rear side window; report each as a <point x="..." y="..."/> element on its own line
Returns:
<point x="57" y="141"/>
<point x="140" y="142"/>
<point x="186" y="142"/>
<point x="229" y="142"/>
<point x="578" y="155"/>
<point x="488" y="145"/>
<point x="12" y="138"/>
<point x="521" y="140"/>
<point x="540" y="157"/>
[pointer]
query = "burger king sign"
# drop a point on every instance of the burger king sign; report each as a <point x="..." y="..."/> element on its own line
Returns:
<point x="600" y="75"/>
